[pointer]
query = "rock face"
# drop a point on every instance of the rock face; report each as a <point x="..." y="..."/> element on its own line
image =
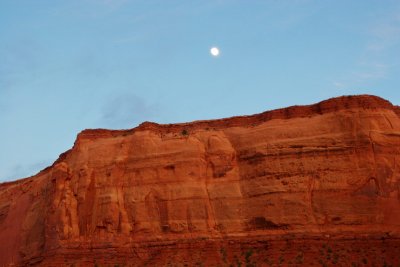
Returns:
<point x="300" y="185"/>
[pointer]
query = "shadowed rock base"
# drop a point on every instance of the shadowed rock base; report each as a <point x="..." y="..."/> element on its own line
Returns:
<point x="367" y="251"/>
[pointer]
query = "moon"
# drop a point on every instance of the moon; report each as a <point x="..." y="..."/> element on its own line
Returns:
<point x="214" y="51"/>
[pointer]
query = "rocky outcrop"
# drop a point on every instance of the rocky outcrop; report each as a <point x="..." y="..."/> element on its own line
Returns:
<point x="294" y="184"/>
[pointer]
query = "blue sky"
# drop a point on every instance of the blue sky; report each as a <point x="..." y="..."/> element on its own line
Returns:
<point x="70" y="65"/>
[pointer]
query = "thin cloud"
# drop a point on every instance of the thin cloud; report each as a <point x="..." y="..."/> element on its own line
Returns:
<point x="92" y="9"/>
<point x="387" y="30"/>
<point x="374" y="71"/>
<point x="384" y="33"/>
<point x="367" y="72"/>
<point x="21" y="171"/>
<point x="384" y="36"/>
<point x="114" y="3"/>
<point x="126" y="111"/>
<point x="373" y="64"/>
<point x="339" y="85"/>
<point x="19" y="61"/>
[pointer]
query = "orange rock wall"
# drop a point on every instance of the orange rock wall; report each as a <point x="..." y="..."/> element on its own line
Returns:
<point x="325" y="170"/>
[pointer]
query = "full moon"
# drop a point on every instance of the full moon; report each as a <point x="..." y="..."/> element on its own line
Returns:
<point x="214" y="51"/>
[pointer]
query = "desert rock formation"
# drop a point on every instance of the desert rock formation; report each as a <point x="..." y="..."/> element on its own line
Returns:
<point x="318" y="183"/>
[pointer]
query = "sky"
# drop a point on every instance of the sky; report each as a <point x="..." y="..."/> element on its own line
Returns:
<point x="68" y="65"/>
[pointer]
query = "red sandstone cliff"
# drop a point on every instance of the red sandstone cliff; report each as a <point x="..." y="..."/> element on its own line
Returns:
<point x="318" y="183"/>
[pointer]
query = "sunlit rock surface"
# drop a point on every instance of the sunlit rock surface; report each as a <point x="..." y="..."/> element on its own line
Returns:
<point x="305" y="184"/>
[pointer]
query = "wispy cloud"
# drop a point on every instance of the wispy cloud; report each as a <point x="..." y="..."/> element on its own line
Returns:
<point x="384" y="35"/>
<point x="373" y="64"/>
<point x="19" y="61"/>
<point x="113" y="3"/>
<point x="388" y="29"/>
<point x="372" y="71"/>
<point x="126" y="110"/>
<point x="366" y="73"/>
<point x="92" y="9"/>
<point x="21" y="171"/>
